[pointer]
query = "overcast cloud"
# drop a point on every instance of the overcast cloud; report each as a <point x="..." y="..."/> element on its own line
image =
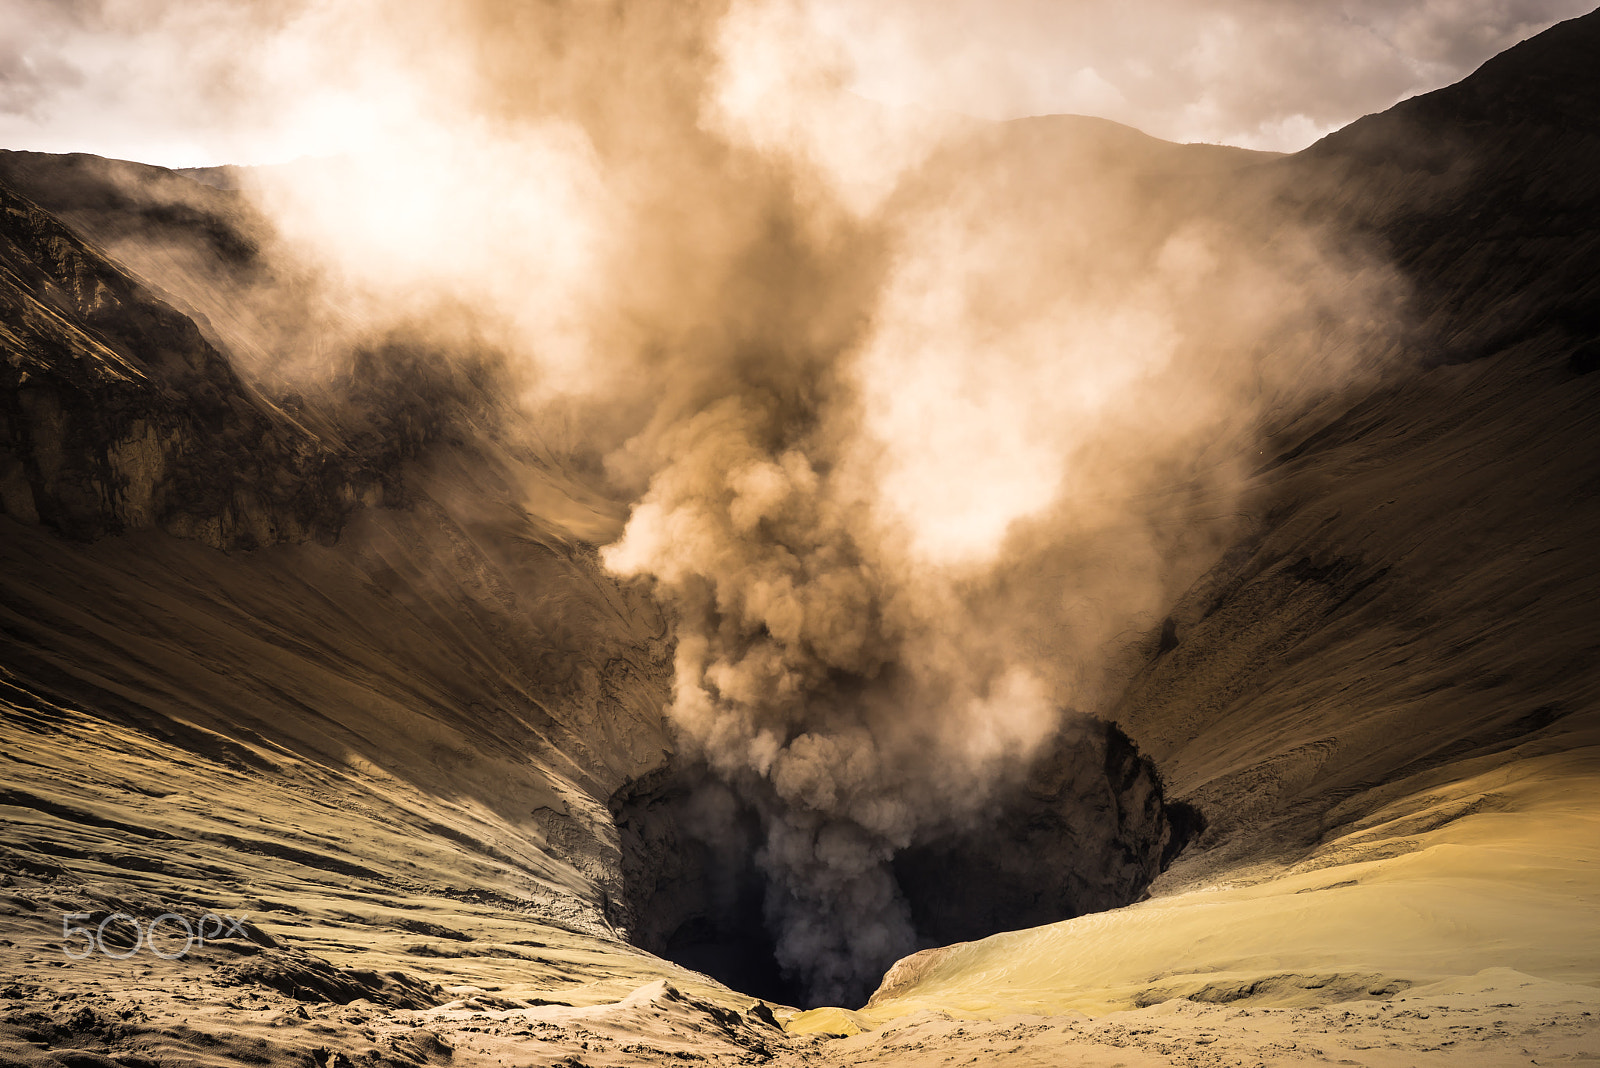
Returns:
<point x="261" y="80"/>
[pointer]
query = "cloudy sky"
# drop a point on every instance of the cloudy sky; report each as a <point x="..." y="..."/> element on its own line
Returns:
<point x="209" y="81"/>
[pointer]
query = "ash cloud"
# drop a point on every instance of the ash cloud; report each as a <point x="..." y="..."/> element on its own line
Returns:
<point x="916" y="416"/>
<point x="886" y="596"/>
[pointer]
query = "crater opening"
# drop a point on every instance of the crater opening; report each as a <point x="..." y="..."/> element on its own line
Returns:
<point x="1085" y="830"/>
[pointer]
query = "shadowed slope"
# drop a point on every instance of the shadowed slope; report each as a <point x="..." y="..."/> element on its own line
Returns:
<point x="118" y="414"/>
<point x="1388" y="694"/>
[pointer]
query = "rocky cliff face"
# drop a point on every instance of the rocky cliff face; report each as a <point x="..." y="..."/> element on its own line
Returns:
<point x="117" y="414"/>
<point x="1089" y="829"/>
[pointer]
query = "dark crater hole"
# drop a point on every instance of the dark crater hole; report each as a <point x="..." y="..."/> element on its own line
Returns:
<point x="1087" y="829"/>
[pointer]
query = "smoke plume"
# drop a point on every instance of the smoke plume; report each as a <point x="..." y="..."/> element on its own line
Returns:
<point x="916" y="416"/>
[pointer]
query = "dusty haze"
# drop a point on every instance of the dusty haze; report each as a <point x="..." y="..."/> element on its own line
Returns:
<point x="861" y="375"/>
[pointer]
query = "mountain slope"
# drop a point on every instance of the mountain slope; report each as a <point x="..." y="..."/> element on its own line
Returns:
<point x="117" y="411"/>
<point x="1386" y="699"/>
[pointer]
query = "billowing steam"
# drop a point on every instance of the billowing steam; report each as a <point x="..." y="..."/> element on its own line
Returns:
<point x="908" y="409"/>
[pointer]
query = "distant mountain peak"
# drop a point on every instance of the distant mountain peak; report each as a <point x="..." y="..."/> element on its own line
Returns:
<point x="1552" y="80"/>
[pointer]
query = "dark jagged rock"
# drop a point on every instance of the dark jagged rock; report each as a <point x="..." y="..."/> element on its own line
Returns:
<point x="117" y="414"/>
<point x="111" y="201"/>
<point x="1088" y="829"/>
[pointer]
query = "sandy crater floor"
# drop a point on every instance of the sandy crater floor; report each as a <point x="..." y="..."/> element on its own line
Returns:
<point x="97" y="1013"/>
